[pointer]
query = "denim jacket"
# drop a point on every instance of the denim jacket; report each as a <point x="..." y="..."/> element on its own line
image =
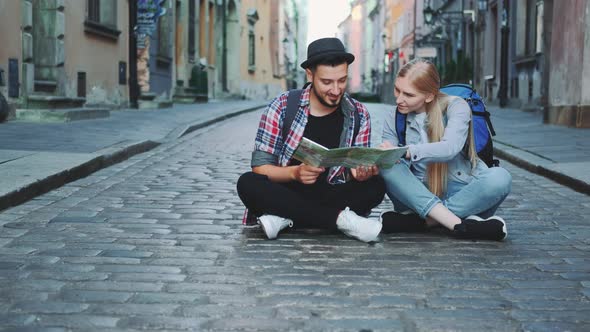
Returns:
<point x="450" y="149"/>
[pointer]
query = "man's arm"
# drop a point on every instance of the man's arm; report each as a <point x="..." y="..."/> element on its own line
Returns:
<point x="301" y="173"/>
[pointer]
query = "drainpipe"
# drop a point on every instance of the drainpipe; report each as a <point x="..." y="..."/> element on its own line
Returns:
<point x="133" y="85"/>
<point x="224" y="50"/>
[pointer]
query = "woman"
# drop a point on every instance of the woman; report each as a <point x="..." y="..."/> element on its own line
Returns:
<point x="441" y="180"/>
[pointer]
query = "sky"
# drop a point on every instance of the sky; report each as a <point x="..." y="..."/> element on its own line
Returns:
<point x="324" y="17"/>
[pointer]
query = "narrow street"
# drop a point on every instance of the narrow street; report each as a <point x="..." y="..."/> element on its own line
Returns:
<point x="156" y="243"/>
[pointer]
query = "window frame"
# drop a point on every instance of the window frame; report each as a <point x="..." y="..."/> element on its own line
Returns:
<point x="101" y="26"/>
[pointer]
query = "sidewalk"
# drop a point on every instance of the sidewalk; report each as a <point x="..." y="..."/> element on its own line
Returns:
<point x="556" y="152"/>
<point x="38" y="157"/>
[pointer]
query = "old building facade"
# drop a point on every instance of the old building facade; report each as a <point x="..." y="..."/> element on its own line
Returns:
<point x="530" y="54"/>
<point x="63" y="54"/>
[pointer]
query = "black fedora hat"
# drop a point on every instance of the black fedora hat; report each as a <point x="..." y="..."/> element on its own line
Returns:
<point x="325" y="47"/>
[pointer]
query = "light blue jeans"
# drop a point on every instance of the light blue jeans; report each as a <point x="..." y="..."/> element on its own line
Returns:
<point x="482" y="196"/>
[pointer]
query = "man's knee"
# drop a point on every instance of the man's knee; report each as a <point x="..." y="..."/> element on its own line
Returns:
<point x="249" y="181"/>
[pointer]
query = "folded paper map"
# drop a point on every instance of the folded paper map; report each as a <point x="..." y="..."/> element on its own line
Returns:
<point x="314" y="154"/>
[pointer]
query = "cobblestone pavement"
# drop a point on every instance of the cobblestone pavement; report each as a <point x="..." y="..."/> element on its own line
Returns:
<point x="156" y="243"/>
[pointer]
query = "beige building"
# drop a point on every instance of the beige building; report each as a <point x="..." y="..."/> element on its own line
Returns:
<point x="64" y="53"/>
<point x="260" y="52"/>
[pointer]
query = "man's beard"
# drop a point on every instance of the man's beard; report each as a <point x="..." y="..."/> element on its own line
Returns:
<point x="323" y="101"/>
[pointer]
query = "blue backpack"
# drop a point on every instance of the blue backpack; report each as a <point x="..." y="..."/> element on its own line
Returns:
<point x="482" y="126"/>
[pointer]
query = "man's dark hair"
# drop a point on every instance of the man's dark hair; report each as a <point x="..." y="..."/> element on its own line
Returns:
<point x="330" y="60"/>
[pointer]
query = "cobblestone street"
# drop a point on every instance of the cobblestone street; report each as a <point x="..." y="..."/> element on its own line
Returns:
<point x="156" y="243"/>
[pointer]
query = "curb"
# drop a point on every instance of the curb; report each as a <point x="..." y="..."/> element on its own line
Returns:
<point x="57" y="180"/>
<point x="185" y="130"/>
<point x="538" y="165"/>
<point x="107" y="157"/>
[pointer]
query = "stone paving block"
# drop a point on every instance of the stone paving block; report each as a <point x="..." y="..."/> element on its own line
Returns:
<point x="82" y="296"/>
<point x="101" y="260"/>
<point x="69" y="275"/>
<point x="10" y="295"/>
<point x="49" y="307"/>
<point x="354" y="325"/>
<point x="123" y="286"/>
<point x="252" y="324"/>
<point x="66" y="252"/>
<point x="181" y="298"/>
<point x="148" y="277"/>
<point x="11" y="319"/>
<point x="545" y="294"/>
<point x="132" y="309"/>
<point x="161" y="323"/>
<point x="33" y="329"/>
<point x="554" y="326"/>
<point x="77" y="322"/>
<point x="463" y="324"/>
<point x="181" y="261"/>
<point x="391" y="301"/>
<point x="41" y="285"/>
<point x="545" y="284"/>
<point x="126" y="253"/>
<point x="204" y="288"/>
<point x="122" y="268"/>
<point x="566" y="316"/>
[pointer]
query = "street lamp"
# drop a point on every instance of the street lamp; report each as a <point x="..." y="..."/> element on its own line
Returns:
<point x="428" y="14"/>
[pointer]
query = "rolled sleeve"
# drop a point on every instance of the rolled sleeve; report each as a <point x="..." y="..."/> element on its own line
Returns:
<point x="260" y="158"/>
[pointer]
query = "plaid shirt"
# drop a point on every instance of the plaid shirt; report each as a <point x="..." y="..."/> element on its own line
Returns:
<point x="269" y="137"/>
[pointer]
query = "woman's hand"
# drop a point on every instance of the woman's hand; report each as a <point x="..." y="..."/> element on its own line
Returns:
<point x="363" y="173"/>
<point x="385" y="145"/>
<point x="307" y="174"/>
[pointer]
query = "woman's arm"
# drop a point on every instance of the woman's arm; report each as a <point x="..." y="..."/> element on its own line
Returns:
<point x="453" y="140"/>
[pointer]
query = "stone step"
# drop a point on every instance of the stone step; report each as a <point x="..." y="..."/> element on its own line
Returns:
<point x="189" y="98"/>
<point x="40" y="101"/>
<point x="61" y="115"/>
<point x="154" y="104"/>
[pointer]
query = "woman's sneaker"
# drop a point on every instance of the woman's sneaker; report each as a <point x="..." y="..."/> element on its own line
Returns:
<point x="358" y="227"/>
<point x="474" y="227"/>
<point x="272" y="225"/>
<point x="395" y="222"/>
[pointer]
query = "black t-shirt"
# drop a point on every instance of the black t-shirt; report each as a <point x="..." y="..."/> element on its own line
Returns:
<point x="324" y="130"/>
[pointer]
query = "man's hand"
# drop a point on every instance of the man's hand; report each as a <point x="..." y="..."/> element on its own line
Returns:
<point x="307" y="174"/>
<point x="363" y="173"/>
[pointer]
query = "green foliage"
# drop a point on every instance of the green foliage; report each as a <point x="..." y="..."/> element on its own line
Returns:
<point x="199" y="80"/>
<point x="366" y="97"/>
<point x="459" y="71"/>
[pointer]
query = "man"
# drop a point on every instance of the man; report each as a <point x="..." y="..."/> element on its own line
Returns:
<point x="281" y="191"/>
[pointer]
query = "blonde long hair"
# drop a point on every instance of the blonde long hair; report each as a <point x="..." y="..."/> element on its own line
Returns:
<point x="424" y="77"/>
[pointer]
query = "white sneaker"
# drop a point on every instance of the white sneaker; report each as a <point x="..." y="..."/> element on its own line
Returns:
<point x="272" y="225"/>
<point x="360" y="228"/>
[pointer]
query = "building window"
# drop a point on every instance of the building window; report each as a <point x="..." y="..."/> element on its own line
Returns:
<point x="191" y="30"/>
<point x="164" y="55"/>
<point x="539" y="28"/>
<point x="251" y="51"/>
<point x="101" y="18"/>
<point x="252" y="19"/>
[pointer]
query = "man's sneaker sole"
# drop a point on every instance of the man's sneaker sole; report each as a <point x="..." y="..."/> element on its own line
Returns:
<point x="267" y="226"/>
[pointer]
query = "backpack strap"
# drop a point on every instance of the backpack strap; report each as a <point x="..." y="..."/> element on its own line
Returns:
<point x="291" y="110"/>
<point x="293" y="106"/>
<point x="357" y="123"/>
<point x="400" y="127"/>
